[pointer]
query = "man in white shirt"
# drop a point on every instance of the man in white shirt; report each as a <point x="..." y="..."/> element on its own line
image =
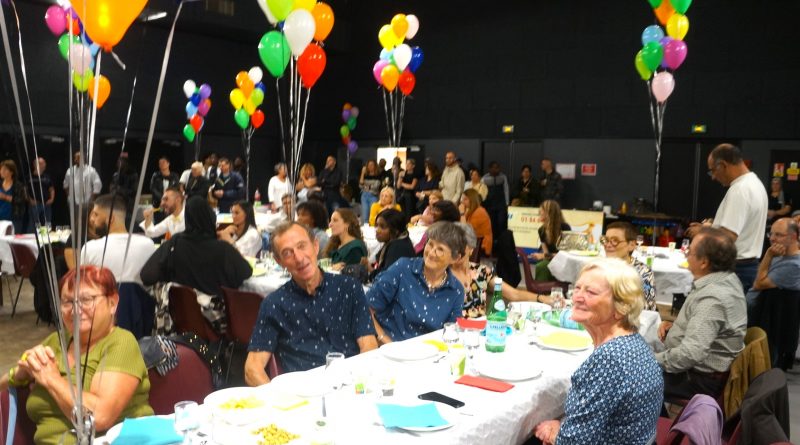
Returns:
<point x="452" y="183"/>
<point x="173" y="222"/>
<point x="83" y="181"/>
<point x="742" y="214"/>
<point x="107" y="219"/>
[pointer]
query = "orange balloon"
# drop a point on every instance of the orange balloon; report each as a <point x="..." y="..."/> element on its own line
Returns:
<point x="247" y="87"/>
<point x="241" y="78"/>
<point x="323" y="18"/>
<point x="106" y="21"/>
<point x="389" y="77"/>
<point x="103" y="91"/>
<point x="664" y="12"/>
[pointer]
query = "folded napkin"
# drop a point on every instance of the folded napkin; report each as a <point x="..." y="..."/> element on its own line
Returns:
<point x="152" y="430"/>
<point x="470" y="323"/>
<point x="484" y="383"/>
<point x="418" y="416"/>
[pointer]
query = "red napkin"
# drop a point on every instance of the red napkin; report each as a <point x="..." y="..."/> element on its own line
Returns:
<point x="468" y="323"/>
<point x="484" y="383"/>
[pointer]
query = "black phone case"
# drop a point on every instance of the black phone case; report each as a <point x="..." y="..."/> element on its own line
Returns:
<point x="437" y="397"/>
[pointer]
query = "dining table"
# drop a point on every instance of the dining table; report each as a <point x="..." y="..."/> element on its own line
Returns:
<point x="7" y="258"/>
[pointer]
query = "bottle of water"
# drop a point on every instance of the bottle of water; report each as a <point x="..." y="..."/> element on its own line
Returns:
<point x="497" y="318"/>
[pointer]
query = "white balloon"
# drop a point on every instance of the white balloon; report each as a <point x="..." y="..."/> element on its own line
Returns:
<point x="80" y="57"/>
<point x="413" y="26"/>
<point x="188" y="88"/>
<point x="270" y="18"/>
<point x="299" y="29"/>
<point x="402" y="56"/>
<point x="255" y="74"/>
<point x="354" y="112"/>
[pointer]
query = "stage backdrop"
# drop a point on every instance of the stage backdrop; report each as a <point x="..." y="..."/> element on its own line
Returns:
<point x="524" y="222"/>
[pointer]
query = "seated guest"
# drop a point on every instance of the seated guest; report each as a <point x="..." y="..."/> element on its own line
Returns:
<point x="278" y="186"/>
<point x="312" y="314"/>
<point x="619" y="242"/>
<point x="418" y="295"/>
<point x="709" y="331"/>
<point x="476" y="183"/>
<point x="273" y="220"/>
<point x="111" y="250"/>
<point x="427" y="184"/>
<point x="616" y="394"/>
<point x="527" y="189"/>
<point x="549" y="235"/>
<point x="385" y="201"/>
<point x="346" y="246"/>
<point x="173" y="223"/>
<point x="243" y="233"/>
<point x="313" y="215"/>
<point x="390" y="229"/>
<point x="443" y="210"/>
<point x="780" y="267"/>
<point x="307" y="183"/>
<point x="426" y="217"/>
<point x="197" y="184"/>
<point x="115" y="379"/>
<point x="476" y="216"/>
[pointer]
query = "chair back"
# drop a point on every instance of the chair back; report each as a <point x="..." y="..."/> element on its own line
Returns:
<point x="24" y="428"/>
<point x="749" y="364"/>
<point x="526" y="269"/>
<point x="187" y="315"/>
<point x="24" y="259"/>
<point x="190" y="380"/>
<point x="476" y="253"/>
<point x="242" y="311"/>
<point x="778" y="313"/>
<point x="538" y="287"/>
<point x="764" y="414"/>
<point x="136" y="311"/>
<point x="700" y="421"/>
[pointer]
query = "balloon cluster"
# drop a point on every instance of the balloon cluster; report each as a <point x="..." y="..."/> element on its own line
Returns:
<point x="662" y="54"/>
<point x="398" y="62"/>
<point x="246" y="98"/>
<point x="78" y="49"/>
<point x="300" y="22"/>
<point x="349" y="117"/>
<point x="196" y="108"/>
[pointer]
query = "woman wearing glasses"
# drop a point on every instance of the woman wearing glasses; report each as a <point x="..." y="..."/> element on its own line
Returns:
<point x="619" y="242"/>
<point x="113" y="373"/>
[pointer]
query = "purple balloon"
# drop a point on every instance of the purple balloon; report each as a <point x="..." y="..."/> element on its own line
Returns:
<point x="202" y="108"/>
<point x="417" y="56"/>
<point x="205" y="91"/>
<point x="675" y="53"/>
<point x="345" y="115"/>
<point x="352" y="146"/>
<point x="664" y="42"/>
<point x="377" y="68"/>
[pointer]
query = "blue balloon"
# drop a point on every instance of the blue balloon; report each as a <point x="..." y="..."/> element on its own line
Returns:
<point x="386" y="54"/>
<point x="195" y="99"/>
<point x="94" y="48"/>
<point x="86" y="39"/>
<point x="652" y="33"/>
<point x="191" y="109"/>
<point x="261" y="86"/>
<point x="416" y="59"/>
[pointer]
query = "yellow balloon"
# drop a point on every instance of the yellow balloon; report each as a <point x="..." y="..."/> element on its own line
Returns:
<point x="308" y="5"/>
<point x="678" y="26"/>
<point x="237" y="98"/>
<point x="249" y="107"/>
<point x="387" y="37"/>
<point x="400" y="26"/>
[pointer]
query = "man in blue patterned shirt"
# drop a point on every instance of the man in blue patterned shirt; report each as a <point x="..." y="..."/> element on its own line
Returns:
<point x="311" y="315"/>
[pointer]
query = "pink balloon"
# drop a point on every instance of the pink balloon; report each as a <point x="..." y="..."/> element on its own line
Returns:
<point x="56" y="20"/>
<point x="377" y="68"/>
<point x="675" y="53"/>
<point x="203" y="107"/>
<point x="663" y="84"/>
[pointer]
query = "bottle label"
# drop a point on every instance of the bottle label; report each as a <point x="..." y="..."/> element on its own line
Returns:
<point x="499" y="305"/>
<point x="496" y="333"/>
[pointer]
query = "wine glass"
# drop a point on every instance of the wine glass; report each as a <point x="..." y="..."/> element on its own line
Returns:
<point x="639" y="241"/>
<point x="685" y="245"/>
<point x="472" y="342"/>
<point x="186" y="419"/>
<point x="450" y="334"/>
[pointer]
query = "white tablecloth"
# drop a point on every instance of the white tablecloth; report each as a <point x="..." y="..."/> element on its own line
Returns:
<point x="7" y="258"/>
<point x="669" y="277"/>
<point x="265" y="284"/>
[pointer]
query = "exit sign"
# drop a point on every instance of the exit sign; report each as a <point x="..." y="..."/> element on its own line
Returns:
<point x="699" y="128"/>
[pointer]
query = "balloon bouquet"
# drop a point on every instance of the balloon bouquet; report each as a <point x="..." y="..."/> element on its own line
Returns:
<point x="298" y="24"/>
<point x="659" y="57"/>
<point x="395" y="70"/>
<point x="350" y="118"/>
<point x="245" y="99"/>
<point x="196" y="110"/>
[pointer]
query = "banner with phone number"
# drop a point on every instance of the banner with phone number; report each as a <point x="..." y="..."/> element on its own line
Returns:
<point x="524" y="222"/>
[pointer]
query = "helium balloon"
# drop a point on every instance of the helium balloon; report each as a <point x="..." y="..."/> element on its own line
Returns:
<point x="406" y="82"/>
<point x="311" y="64"/>
<point x="655" y="3"/>
<point x="103" y="90"/>
<point x="345" y="115"/>
<point x="681" y="5"/>
<point x="64" y="43"/>
<point x="204" y="106"/>
<point x="417" y="56"/>
<point x="377" y="69"/>
<point x="80" y="56"/>
<point x="389" y="77"/>
<point x="74" y="26"/>
<point x="402" y="56"/>
<point x="257" y="97"/>
<point x="308" y="5"/>
<point x="56" y="19"/>
<point x="249" y="107"/>
<point x="652" y="53"/>
<point x="242" y="118"/>
<point x="346" y="140"/>
<point x="262" y="87"/>
<point x="204" y="91"/>
<point x="274" y="52"/>
<point x="675" y="53"/>
<point x="413" y="26"/>
<point x="400" y="25"/>
<point x="188" y="88"/>
<point x="344" y="130"/>
<point x="664" y="12"/>
<point x="189" y="133"/>
<point x="652" y="33"/>
<point x="387" y="37"/>
<point x="663" y="84"/>
<point x="386" y="54"/>
<point x="255" y="74"/>
<point x="82" y="82"/>
<point x="106" y="21"/>
<point x="195" y="99"/>
<point x="347" y="106"/>
<point x="352" y="147"/>
<point x="241" y="78"/>
<point x="191" y="109"/>
<point x="196" y="122"/>
<point x="641" y="68"/>
<point x="323" y="18"/>
<point x="351" y="123"/>
<point x="280" y="8"/>
<point x="257" y="118"/>
<point x="678" y="26"/>
<point x="299" y="29"/>
<point x="237" y="98"/>
<point x="354" y="111"/>
<point x="265" y="9"/>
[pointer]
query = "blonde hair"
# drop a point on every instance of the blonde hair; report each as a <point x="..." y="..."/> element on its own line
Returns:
<point x="390" y="190"/>
<point x="474" y="200"/>
<point x="307" y="170"/>
<point x="626" y="289"/>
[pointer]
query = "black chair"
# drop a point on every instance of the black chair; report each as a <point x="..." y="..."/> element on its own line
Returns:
<point x="778" y="313"/>
<point x="24" y="262"/>
<point x="136" y="311"/>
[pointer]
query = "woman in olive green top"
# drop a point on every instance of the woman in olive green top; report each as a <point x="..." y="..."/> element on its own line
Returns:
<point x="346" y="245"/>
<point x="115" y="383"/>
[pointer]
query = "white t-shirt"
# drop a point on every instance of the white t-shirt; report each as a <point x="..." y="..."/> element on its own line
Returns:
<point x="277" y="189"/>
<point x="172" y="224"/>
<point x="250" y="243"/>
<point x="743" y="211"/>
<point x="140" y="250"/>
<point x="185" y="177"/>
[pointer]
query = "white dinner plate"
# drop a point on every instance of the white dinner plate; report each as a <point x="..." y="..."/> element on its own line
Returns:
<point x="311" y="383"/>
<point x="563" y="340"/>
<point x="240" y="416"/>
<point x="406" y="351"/>
<point x="113" y="432"/>
<point x="508" y="370"/>
<point x="448" y="413"/>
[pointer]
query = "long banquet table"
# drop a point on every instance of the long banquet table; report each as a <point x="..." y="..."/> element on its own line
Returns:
<point x="7" y="259"/>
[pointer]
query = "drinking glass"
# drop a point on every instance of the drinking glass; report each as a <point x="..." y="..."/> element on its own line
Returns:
<point x="472" y="342"/>
<point x="639" y="241"/>
<point x="450" y="334"/>
<point x="186" y="419"/>
<point x="557" y="294"/>
<point x="685" y="245"/>
<point x="334" y="362"/>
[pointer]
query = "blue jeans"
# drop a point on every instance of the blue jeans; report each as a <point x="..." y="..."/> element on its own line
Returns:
<point x="367" y="199"/>
<point x="747" y="274"/>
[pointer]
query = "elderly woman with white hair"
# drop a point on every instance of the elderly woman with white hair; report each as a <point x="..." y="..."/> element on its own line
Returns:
<point x="385" y="201"/>
<point x="617" y="393"/>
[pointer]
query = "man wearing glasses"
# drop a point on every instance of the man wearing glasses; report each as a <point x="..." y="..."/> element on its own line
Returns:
<point x="619" y="242"/>
<point x="780" y="267"/>
<point x="742" y="214"/>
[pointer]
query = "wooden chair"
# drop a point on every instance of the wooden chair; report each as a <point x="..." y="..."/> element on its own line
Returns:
<point x="187" y="315"/>
<point x="24" y="262"/>
<point x="190" y="380"/>
<point x="242" y="309"/>
<point x="538" y="287"/>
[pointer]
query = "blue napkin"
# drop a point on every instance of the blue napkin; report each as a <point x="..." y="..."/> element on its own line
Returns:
<point x="148" y="431"/>
<point x="419" y="416"/>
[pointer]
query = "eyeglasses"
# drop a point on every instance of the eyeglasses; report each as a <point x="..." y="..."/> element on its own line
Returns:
<point x="613" y="242"/>
<point x="87" y="303"/>
<point x="436" y="250"/>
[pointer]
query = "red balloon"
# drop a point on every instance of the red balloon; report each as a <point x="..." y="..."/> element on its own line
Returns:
<point x="257" y="118"/>
<point x="196" y="122"/>
<point x="346" y="139"/>
<point x="407" y="82"/>
<point x="311" y="64"/>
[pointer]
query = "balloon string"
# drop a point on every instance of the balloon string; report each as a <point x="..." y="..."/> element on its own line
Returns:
<point x="386" y="113"/>
<point x="96" y="89"/>
<point x="133" y="88"/>
<point x="391" y="119"/>
<point x="280" y="116"/>
<point x="402" y="115"/>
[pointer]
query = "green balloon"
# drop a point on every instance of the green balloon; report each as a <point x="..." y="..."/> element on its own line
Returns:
<point x="655" y="3"/>
<point x="344" y="130"/>
<point x="280" y="8"/>
<point x="652" y="53"/>
<point x="188" y="132"/>
<point x="82" y="82"/>
<point x="63" y="44"/>
<point x="257" y="96"/>
<point x="274" y="51"/>
<point x="351" y="123"/>
<point x="681" y="5"/>
<point x="641" y="68"/>
<point x="242" y="118"/>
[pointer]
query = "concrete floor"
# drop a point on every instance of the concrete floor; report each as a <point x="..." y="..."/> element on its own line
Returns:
<point x="22" y="331"/>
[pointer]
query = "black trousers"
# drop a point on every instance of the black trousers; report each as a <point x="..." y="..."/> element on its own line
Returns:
<point x="685" y="385"/>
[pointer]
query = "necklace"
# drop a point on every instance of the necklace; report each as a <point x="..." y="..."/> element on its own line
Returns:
<point x="432" y="287"/>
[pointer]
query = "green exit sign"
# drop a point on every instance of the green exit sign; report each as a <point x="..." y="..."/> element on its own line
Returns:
<point x="699" y="128"/>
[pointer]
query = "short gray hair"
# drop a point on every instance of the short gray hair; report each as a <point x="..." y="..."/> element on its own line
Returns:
<point x="283" y="228"/>
<point x="449" y="234"/>
<point x="469" y="233"/>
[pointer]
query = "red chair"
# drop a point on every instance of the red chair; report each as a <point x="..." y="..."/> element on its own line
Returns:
<point x="538" y="287"/>
<point x="187" y="315"/>
<point x="242" y="311"/>
<point x="24" y="427"/>
<point x="190" y="380"/>
<point x="24" y="262"/>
